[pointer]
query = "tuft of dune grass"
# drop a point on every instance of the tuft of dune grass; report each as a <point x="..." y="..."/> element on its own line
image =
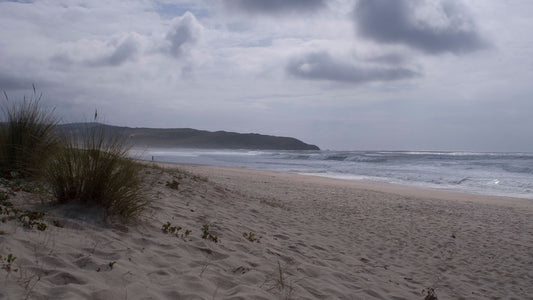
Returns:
<point x="95" y="169"/>
<point x="27" y="136"/>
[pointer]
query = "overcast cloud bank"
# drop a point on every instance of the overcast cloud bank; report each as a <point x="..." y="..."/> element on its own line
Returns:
<point x="343" y="74"/>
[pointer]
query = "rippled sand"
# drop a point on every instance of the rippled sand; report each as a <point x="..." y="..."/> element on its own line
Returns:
<point x="313" y="238"/>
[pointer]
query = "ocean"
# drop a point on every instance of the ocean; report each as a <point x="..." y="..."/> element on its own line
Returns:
<point x="500" y="174"/>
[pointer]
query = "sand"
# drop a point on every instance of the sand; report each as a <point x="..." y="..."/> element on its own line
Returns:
<point x="313" y="238"/>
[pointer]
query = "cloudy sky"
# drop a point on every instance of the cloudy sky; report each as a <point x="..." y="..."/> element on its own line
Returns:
<point x="342" y="74"/>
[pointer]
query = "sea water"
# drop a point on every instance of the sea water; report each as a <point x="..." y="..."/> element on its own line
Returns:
<point x="501" y="174"/>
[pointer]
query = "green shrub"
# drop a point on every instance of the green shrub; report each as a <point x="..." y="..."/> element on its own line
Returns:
<point x="95" y="169"/>
<point x="27" y="136"/>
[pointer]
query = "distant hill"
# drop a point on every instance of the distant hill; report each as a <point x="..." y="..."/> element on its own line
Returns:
<point x="192" y="138"/>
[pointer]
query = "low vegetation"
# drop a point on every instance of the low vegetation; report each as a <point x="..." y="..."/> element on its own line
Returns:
<point x="206" y="235"/>
<point x="7" y="262"/>
<point x="279" y="281"/>
<point x="173" y="184"/>
<point x="93" y="168"/>
<point x="250" y="236"/>
<point x="27" y="137"/>
<point x="169" y="229"/>
<point x="430" y="294"/>
<point x="28" y="218"/>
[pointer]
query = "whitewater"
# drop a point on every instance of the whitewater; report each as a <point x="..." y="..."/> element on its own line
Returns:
<point x="500" y="174"/>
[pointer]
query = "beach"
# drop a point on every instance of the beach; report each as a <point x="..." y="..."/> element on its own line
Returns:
<point x="273" y="236"/>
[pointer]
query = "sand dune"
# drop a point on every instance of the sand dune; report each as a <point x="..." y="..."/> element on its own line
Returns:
<point x="313" y="238"/>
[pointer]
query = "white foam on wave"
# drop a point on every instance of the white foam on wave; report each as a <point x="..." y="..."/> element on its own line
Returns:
<point x="503" y="174"/>
<point x="343" y="176"/>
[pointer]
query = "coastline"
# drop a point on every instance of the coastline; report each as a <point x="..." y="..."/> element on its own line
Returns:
<point x="313" y="238"/>
<point x="497" y="174"/>
<point x="389" y="188"/>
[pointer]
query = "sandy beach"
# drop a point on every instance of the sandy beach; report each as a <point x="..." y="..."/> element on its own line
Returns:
<point x="273" y="236"/>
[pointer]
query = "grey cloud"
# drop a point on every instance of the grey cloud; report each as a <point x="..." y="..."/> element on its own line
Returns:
<point x="9" y="82"/>
<point x="274" y="6"/>
<point x="125" y="50"/>
<point x="62" y="59"/>
<point x="395" y="21"/>
<point x="321" y="66"/>
<point x="184" y="32"/>
<point x="94" y="53"/>
<point x="390" y="59"/>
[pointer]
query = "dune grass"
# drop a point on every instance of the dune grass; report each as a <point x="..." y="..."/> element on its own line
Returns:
<point x="27" y="136"/>
<point x="95" y="169"/>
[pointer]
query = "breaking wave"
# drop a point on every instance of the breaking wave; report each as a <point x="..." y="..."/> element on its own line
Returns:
<point x="506" y="174"/>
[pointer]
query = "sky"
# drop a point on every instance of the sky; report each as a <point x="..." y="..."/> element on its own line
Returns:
<point x="451" y="75"/>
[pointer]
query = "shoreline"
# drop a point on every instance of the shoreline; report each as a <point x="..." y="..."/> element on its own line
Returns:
<point x="390" y="188"/>
<point x="414" y="185"/>
<point x="491" y="174"/>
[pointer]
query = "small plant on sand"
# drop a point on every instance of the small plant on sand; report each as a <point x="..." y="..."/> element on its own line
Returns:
<point x="6" y="206"/>
<point x="7" y="262"/>
<point x="250" y="236"/>
<point x="95" y="169"/>
<point x="27" y="137"/>
<point x="430" y="294"/>
<point x="279" y="281"/>
<point x="206" y="235"/>
<point x="42" y="226"/>
<point x="168" y="228"/>
<point x="30" y="218"/>
<point x="3" y="197"/>
<point x="199" y="178"/>
<point x="173" y="184"/>
<point x="58" y="223"/>
<point x="7" y="211"/>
